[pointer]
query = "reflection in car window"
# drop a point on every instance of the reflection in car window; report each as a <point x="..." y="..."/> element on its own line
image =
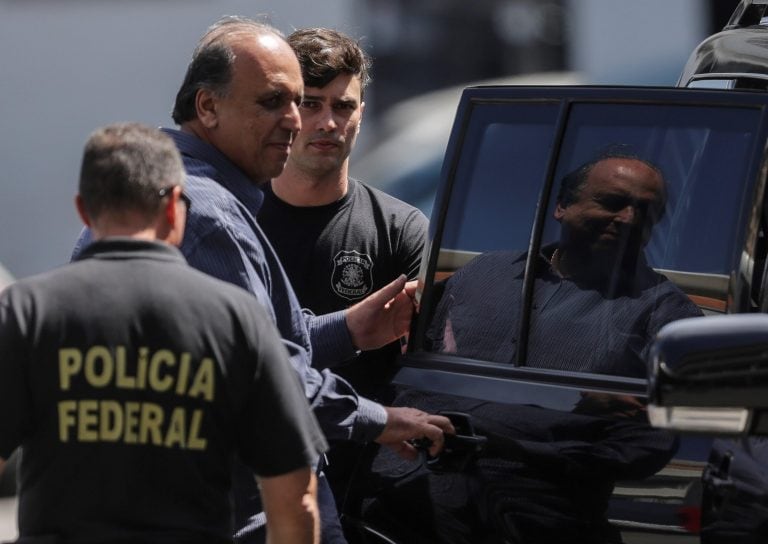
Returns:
<point x="703" y="153"/>
<point x="644" y="182"/>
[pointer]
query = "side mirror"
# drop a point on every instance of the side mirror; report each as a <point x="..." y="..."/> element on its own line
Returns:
<point x="710" y="374"/>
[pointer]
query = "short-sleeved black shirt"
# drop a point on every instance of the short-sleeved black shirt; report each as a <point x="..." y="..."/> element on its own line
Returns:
<point x="338" y="254"/>
<point x="130" y="380"/>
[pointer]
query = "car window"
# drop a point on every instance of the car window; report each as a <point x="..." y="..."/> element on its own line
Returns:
<point x="533" y="273"/>
<point x="499" y="177"/>
<point x="703" y="154"/>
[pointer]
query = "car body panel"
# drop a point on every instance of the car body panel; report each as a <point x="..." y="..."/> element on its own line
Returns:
<point x="567" y="455"/>
<point x="734" y="484"/>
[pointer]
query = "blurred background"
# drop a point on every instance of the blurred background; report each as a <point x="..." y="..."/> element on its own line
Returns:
<point x="68" y="66"/>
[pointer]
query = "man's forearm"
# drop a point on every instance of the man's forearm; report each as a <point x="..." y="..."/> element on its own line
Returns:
<point x="290" y="503"/>
<point x="331" y="341"/>
<point x="300" y="531"/>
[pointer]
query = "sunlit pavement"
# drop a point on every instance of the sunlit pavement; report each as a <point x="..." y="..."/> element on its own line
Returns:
<point x="7" y="519"/>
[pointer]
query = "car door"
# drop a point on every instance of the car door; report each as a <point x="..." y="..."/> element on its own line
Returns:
<point x="543" y="371"/>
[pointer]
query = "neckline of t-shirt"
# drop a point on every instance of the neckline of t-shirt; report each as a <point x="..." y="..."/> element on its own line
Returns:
<point x="323" y="208"/>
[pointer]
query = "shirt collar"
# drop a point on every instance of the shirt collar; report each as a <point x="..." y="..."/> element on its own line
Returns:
<point x="229" y="175"/>
<point x="332" y="207"/>
<point x="123" y="247"/>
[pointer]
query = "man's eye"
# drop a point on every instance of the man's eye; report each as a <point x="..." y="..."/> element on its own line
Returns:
<point x="272" y="103"/>
<point x="309" y="105"/>
<point x="614" y="203"/>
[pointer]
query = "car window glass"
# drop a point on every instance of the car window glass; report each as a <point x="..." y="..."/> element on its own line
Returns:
<point x="635" y="189"/>
<point x="703" y="154"/>
<point x="499" y="177"/>
<point x="497" y="185"/>
<point x="651" y="239"/>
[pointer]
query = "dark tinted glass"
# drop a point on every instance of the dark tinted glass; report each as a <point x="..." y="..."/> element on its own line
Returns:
<point x="673" y="262"/>
<point x="498" y="179"/>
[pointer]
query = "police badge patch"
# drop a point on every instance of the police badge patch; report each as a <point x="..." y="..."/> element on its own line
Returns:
<point x="352" y="276"/>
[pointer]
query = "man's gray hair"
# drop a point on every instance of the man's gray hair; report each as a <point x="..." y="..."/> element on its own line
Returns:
<point x="125" y="166"/>
<point x="212" y="60"/>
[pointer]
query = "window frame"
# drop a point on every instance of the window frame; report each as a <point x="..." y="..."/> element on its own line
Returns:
<point x="419" y="362"/>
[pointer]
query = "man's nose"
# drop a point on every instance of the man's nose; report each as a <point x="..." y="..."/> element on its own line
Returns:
<point x="325" y="120"/>
<point x="629" y="214"/>
<point x="292" y="118"/>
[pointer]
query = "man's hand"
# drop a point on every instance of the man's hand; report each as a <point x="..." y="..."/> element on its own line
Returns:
<point x="405" y="424"/>
<point x="382" y="317"/>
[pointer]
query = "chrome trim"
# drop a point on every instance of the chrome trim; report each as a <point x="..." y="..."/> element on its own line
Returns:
<point x="734" y="420"/>
<point x="377" y="534"/>
<point x="453" y="259"/>
<point x="744" y="278"/>
<point x="727" y="75"/>
<point x="623" y="524"/>
<point x="710" y="285"/>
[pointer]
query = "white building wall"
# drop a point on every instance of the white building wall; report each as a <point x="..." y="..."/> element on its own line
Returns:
<point x="69" y="66"/>
<point x="643" y="42"/>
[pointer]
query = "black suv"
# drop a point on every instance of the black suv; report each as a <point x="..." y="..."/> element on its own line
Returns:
<point x="580" y="237"/>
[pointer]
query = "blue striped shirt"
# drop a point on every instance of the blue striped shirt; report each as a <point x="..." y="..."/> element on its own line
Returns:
<point x="223" y="240"/>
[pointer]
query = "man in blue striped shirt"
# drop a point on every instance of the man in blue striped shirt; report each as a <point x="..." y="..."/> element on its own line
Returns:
<point x="238" y="114"/>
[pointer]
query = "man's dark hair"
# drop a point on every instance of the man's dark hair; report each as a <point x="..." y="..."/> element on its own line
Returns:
<point x="574" y="181"/>
<point x="325" y="54"/>
<point x="212" y="60"/>
<point x="125" y="165"/>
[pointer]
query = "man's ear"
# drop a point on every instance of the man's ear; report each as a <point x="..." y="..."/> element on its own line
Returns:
<point x="362" y="111"/>
<point x="81" y="211"/>
<point x="206" y="104"/>
<point x="171" y="211"/>
<point x="559" y="212"/>
<point x="173" y="230"/>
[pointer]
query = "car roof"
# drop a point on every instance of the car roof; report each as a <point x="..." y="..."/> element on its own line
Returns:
<point x="738" y="53"/>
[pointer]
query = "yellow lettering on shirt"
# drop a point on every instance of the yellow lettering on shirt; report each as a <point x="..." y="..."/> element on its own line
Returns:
<point x="99" y="366"/>
<point x="202" y="385"/>
<point x="70" y="363"/>
<point x="131" y="432"/>
<point x="87" y="421"/>
<point x="195" y="442"/>
<point x="110" y="421"/>
<point x="176" y="429"/>
<point x="183" y="381"/>
<point x="67" y="419"/>
<point x="124" y="380"/>
<point x="150" y="423"/>
<point x="159" y="379"/>
<point x="164" y="374"/>
<point x="91" y="420"/>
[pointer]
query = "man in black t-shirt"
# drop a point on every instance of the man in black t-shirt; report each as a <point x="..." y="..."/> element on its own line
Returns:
<point x="130" y="379"/>
<point x="338" y="239"/>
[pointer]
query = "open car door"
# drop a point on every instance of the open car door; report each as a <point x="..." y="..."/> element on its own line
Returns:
<point x="571" y="224"/>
